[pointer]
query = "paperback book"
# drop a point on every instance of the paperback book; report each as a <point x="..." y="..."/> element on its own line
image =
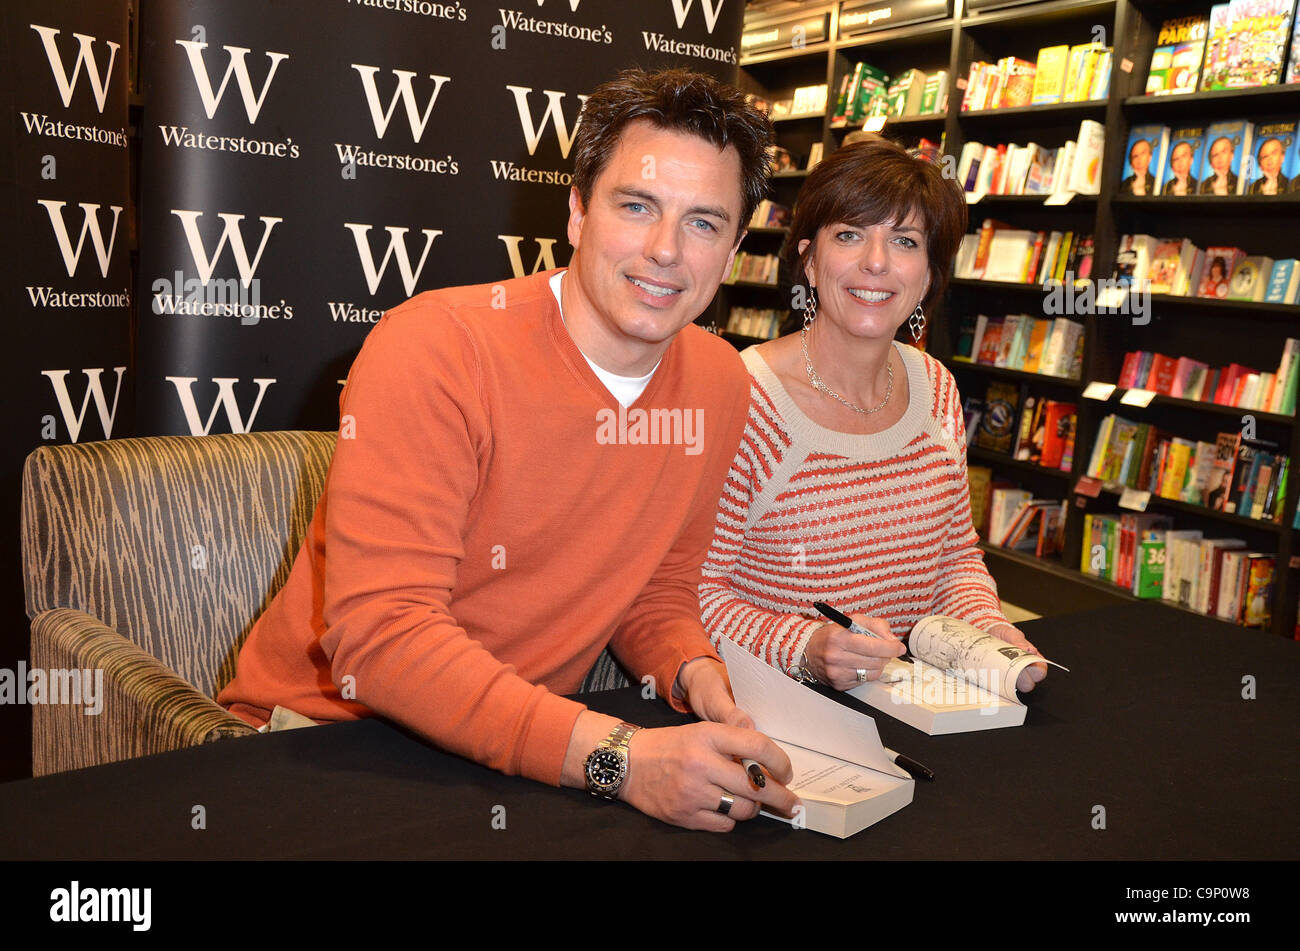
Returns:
<point x="843" y="775"/>
<point x="1183" y="161"/>
<point x="961" y="680"/>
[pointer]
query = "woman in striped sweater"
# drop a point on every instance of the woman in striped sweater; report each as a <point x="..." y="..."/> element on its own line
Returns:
<point x="850" y="482"/>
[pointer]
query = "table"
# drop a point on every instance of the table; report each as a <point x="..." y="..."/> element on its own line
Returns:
<point x="1150" y="725"/>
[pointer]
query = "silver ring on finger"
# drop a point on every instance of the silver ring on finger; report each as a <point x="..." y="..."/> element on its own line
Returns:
<point x="725" y="804"/>
<point x="862" y="675"/>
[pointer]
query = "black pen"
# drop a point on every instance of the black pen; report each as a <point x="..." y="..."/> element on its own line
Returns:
<point x="910" y="765"/>
<point x="755" y="773"/>
<point x="843" y="620"/>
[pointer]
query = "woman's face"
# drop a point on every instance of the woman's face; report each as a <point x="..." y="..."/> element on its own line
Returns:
<point x="869" y="278"/>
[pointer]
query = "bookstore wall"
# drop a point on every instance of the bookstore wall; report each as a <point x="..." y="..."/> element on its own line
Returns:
<point x="1124" y="316"/>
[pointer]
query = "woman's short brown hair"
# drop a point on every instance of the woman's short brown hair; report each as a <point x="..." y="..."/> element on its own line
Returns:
<point x="680" y="101"/>
<point x="869" y="183"/>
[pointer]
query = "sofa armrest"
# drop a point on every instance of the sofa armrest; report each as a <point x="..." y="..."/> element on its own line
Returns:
<point x="134" y="705"/>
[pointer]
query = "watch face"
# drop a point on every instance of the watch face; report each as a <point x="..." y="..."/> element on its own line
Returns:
<point x="605" y="767"/>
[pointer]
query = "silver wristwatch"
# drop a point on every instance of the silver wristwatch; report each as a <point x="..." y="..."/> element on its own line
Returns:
<point x="606" y="767"/>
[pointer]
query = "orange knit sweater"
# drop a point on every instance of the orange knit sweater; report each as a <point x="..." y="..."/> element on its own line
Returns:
<point x="492" y="520"/>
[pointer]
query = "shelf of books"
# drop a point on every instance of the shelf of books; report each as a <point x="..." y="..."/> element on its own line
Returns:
<point x="1132" y="173"/>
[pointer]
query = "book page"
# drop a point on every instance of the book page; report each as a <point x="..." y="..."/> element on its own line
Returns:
<point x="831" y="780"/>
<point x="925" y="685"/>
<point x="786" y="710"/>
<point x="959" y="648"/>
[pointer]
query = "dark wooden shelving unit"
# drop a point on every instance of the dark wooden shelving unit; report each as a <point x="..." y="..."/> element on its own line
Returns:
<point x="1214" y="331"/>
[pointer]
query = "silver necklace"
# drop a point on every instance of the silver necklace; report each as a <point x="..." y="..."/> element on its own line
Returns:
<point x="815" y="380"/>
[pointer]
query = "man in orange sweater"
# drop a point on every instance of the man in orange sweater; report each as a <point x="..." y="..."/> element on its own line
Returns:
<point x="528" y="472"/>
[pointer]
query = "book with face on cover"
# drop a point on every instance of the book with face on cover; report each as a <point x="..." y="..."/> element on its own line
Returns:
<point x="1228" y="145"/>
<point x="1183" y="160"/>
<point x="962" y="680"/>
<point x="1144" y="161"/>
<point x="843" y="775"/>
<point x="1268" y="171"/>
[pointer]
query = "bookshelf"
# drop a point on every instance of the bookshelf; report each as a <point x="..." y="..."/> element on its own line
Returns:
<point x="950" y="37"/>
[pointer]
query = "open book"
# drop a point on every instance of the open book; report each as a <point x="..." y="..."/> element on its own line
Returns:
<point x="962" y="680"/>
<point x="844" y="777"/>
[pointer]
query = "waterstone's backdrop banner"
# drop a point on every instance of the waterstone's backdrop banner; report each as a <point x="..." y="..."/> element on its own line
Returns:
<point x="66" y="272"/>
<point x="307" y="165"/>
<point x="302" y="166"/>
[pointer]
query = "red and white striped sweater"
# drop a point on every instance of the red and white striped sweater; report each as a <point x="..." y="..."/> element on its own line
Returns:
<point x="877" y="524"/>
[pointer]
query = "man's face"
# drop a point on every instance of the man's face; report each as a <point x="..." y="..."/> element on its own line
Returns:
<point x="1270" y="157"/>
<point x="656" y="238"/>
<point x="1140" y="157"/>
<point x="1181" y="160"/>
<point x="1221" y="156"/>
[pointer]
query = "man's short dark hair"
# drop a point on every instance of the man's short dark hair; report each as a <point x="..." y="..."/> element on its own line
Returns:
<point x="680" y="101"/>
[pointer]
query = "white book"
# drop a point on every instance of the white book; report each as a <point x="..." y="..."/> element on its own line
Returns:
<point x="1024" y="159"/>
<point x="998" y="185"/>
<point x="964" y="264"/>
<point x="1176" y="586"/>
<point x="1229" y="591"/>
<point x="1085" y="175"/>
<point x="1249" y="389"/>
<point x="1064" y="168"/>
<point x="843" y="775"/>
<point x="961" y="680"/>
<point x="1260" y="396"/>
<point x="1061" y="347"/>
<point x="1003" y="504"/>
<point x="1007" y="252"/>
<point x="1052" y="349"/>
<point x="981" y="324"/>
<point x="1049" y="256"/>
<point x="984" y="182"/>
<point x="972" y="154"/>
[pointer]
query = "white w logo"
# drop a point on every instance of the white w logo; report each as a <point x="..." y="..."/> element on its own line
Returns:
<point x="252" y="103"/>
<point x="573" y="4"/>
<point x="231" y="233"/>
<point x="98" y="83"/>
<point x="533" y="134"/>
<point x="405" y="93"/>
<point x="74" y="420"/>
<point x="682" y="7"/>
<point x="397" y="249"/>
<point x="225" y="398"/>
<point x="89" y="224"/>
<point x="545" y="253"/>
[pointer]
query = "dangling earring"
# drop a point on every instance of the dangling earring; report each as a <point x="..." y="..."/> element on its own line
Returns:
<point x="810" y="308"/>
<point x="917" y="323"/>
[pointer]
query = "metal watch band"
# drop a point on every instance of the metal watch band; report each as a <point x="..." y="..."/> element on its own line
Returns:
<point x="618" y="737"/>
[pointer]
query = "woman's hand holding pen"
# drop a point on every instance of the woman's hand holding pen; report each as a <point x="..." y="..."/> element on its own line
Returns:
<point x="835" y="655"/>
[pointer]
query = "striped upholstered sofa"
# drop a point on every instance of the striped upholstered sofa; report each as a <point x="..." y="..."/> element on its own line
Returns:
<point x="150" y="559"/>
